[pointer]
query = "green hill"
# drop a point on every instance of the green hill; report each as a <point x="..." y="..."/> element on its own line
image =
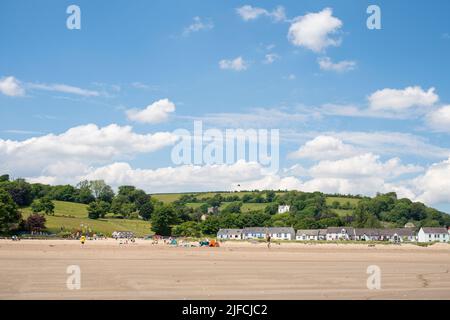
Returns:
<point x="171" y="197"/>
<point x="71" y="216"/>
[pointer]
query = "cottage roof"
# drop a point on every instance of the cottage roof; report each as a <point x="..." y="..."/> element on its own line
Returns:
<point x="435" y="230"/>
<point x="367" y="231"/>
<point x="306" y="232"/>
<point x="264" y="230"/>
<point x="349" y="230"/>
<point x="229" y="232"/>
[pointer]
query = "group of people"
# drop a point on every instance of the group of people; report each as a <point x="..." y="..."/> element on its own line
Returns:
<point x="172" y="241"/>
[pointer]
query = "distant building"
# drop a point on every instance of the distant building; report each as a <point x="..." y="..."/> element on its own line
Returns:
<point x="122" y="235"/>
<point x="433" y="235"/>
<point x="307" y="235"/>
<point x="230" y="234"/>
<point x="284" y="208"/>
<point x="367" y="234"/>
<point x="410" y="225"/>
<point x="213" y="210"/>
<point x="398" y="235"/>
<point x="340" y="233"/>
<point x="281" y="233"/>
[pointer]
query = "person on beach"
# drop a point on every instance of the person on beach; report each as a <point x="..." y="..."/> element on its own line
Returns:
<point x="82" y="240"/>
<point x="268" y="238"/>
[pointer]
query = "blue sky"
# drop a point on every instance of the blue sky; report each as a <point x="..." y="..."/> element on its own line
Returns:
<point x="372" y="100"/>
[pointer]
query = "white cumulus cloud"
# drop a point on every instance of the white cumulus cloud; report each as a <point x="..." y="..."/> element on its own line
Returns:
<point x="402" y="99"/>
<point x="434" y="186"/>
<point x="238" y="64"/>
<point x="12" y="87"/>
<point x="80" y="146"/>
<point x="181" y="178"/>
<point x="248" y="13"/>
<point x="157" y="112"/>
<point x="197" y="25"/>
<point x="324" y="147"/>
<point x="327" y="64"/>
<point x="360" y="166"/>
<point x="439" y="119"/>
<point x="314" y="30"/>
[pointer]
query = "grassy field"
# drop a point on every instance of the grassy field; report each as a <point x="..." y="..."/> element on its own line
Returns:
<point x="342" y="200"/>
<point x="73" y="216"/>
<point x="342" y="212"/>
<point x="171" y="197"/>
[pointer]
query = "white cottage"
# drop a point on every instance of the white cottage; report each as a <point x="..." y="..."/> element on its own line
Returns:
<point x="284" y="208"/>
<point x="367" y="234"/>
<point x="307" y="235"/>
<point x="340" y="233"/>
<point x="433" y="235"/>
<point x="398" y="235"/>
<point x="282" y="233"/>
<point x="229" y="234"/>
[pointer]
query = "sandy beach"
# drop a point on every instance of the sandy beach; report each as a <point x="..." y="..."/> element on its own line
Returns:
<point x="37" y="269"/>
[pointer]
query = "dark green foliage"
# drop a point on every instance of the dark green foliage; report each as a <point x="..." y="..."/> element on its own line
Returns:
<point x="131" y="202"/>
<point x="20" y="191"/>
<point x="146" y="210"/>
<point x="215" y="201"/>
<point x="187" y="229"/>
<point x="101" y="191"/>
<point x="271" y="208"/>
<point x="98" y="209"/>
<point x="187" y="198"/>
<point x="283" y="220"/>
<point x="10" y="216"/>
<point x="43" y="205"/>
<point x="253" y="219"/>
<point x="162" y="220"/>
<point x="270" y="196"/>
<point x="211" y="225"/>
<point x="39" y="190"/>
<point x="84" y="192"/>
<point x="64" y="193"/>
<point x="234" y="207"/>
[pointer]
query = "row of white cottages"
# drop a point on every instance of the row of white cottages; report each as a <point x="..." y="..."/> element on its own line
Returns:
<point x="338" y="233"/>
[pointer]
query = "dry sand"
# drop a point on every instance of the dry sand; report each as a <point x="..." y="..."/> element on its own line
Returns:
<point x="36" y="269"/>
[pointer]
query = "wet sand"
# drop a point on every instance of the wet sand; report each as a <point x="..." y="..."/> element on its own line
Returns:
<point x="36" y="269"/>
